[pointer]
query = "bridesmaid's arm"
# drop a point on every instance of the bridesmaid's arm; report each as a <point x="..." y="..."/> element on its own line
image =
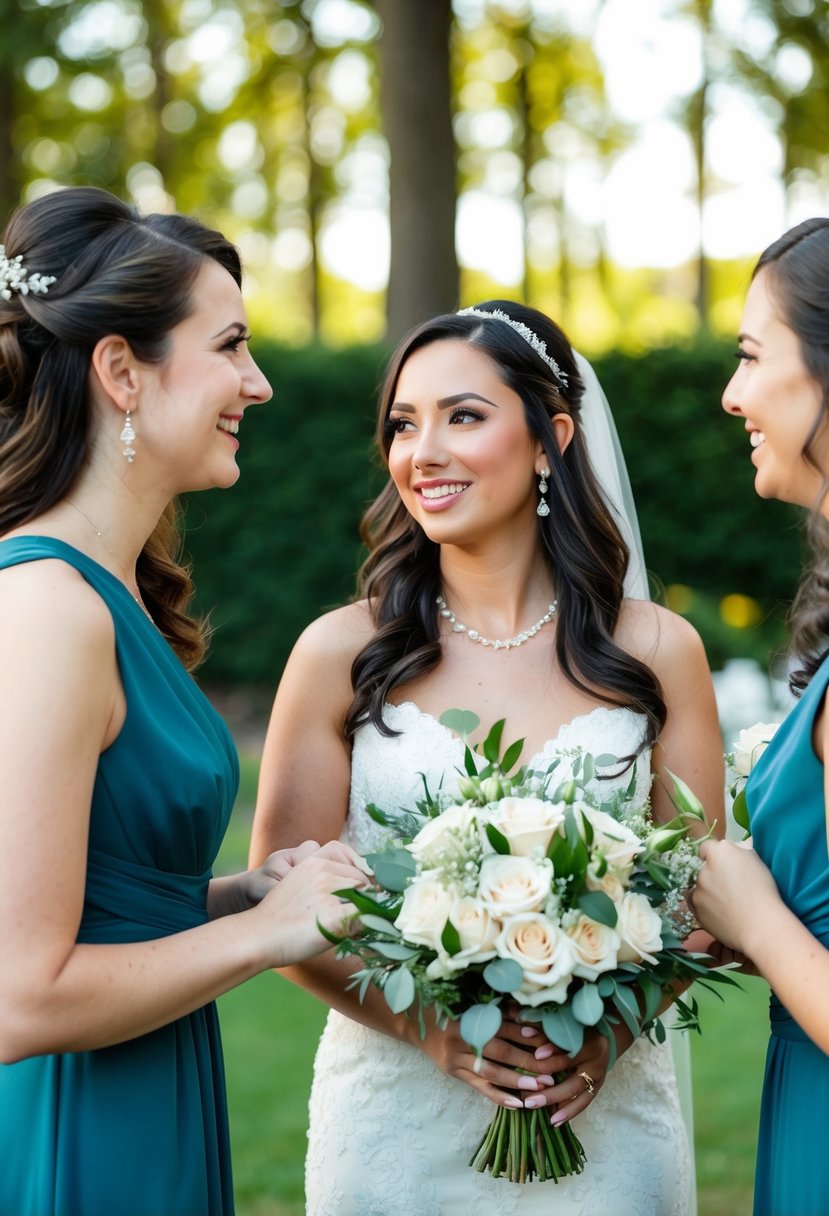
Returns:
<point x="736" y="898"/>
<point x="57" y="994"/>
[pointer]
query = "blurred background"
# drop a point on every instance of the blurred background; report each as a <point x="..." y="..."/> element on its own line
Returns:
<point x="616" y="163"/>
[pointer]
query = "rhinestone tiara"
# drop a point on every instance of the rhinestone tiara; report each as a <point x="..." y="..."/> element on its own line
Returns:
<point x="15" y="277"/>
<point x="526" y="333"/>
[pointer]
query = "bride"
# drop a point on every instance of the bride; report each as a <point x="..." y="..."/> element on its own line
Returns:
<point x="495" y="582"/>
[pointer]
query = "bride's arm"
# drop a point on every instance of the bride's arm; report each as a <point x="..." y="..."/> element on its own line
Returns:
<point x="303" y="794"/>
<point x="690" y="743"/>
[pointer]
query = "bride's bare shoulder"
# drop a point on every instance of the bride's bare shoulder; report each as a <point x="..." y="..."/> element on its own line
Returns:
<point x="657" y="636"/>
<point x="337" y="636"/>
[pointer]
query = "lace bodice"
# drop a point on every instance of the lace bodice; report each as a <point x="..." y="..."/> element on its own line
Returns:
<point x="386" y="771"/>
<point x="391" y="1134"/>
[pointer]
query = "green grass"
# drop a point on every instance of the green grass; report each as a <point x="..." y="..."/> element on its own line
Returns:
<point x="270" y="1030"/>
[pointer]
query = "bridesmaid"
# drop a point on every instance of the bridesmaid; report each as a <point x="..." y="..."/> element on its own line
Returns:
<point x="770" y="902"/>
<point x="124" y="376"/>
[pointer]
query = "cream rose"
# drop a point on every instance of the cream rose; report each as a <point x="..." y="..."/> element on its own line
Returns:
<point x="425" y="910"/>
<point x="529" y="824"/>
<point x="442" y="838"/>
<point x="750" y="745"/>
<point x="640" y="929"/>
<point x="610" y="883"/>
<point x="544" y="952"/>
<point x="477" y="930"/>
<point x="511" y="885"/>
<point x="617" y="844"/>
<point x="596" y="946"/>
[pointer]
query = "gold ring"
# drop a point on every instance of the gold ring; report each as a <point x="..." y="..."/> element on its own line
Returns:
<point x="589" y="1082"/>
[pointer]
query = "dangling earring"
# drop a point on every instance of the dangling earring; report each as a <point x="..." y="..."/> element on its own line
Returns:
<point x="127" y="436"/>
<point x="543" y="507"/>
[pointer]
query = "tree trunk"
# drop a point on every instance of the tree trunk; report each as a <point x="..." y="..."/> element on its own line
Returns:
<point x="415" y="99"/>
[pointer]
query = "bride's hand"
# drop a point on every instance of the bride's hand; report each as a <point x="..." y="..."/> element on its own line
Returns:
<point x="496" y="1076"/>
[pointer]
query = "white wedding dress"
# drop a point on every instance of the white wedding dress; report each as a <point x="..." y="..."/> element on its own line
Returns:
<point x="391" y="1135"/>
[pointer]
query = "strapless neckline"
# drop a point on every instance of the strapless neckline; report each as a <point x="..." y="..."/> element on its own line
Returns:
<point x="548" y="745"/>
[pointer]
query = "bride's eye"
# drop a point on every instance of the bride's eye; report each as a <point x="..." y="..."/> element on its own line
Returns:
<point x="465" y="415"/>
<point x="742" y="356"/>
<point x="396" y="426"/>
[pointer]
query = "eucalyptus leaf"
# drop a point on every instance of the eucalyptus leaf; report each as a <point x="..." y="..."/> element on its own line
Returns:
<point x="480" y="1024"/>
<point x="462" y="721"/>
<point x="399" y="990"/>
<point x="503" y="975"/>
<point x="395" y="950"/>
<point x="606" y="985"/>
<point x="563" y="1029"/>
<point x="604" y="1027"/>
<point x="606" y="760"/>
<point x="598" y="906"/>
<point x="393" y="869"/>
<point x="587" y="1005"/>
<point x="628" y="1007"/>
<point x="588" y="769"/>
<point x="378" y="924"/>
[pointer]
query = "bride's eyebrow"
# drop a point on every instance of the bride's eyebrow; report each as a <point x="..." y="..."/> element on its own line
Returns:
<point x="445" y="403"/>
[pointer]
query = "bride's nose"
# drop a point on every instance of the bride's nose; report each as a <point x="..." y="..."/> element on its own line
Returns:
<point x="430" y="451"/>
<point x="730" y="397"/>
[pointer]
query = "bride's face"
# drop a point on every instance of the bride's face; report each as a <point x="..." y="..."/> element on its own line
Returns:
<point x="461" y="455"/>
<point x="779" y="401"/>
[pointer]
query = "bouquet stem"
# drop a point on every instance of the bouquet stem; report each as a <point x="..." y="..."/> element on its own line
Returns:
<point x="522" y="1145"/>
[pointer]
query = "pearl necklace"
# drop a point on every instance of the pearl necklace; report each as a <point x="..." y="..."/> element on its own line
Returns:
<point x="508" y="643"/>
<point x="100" y="536"/>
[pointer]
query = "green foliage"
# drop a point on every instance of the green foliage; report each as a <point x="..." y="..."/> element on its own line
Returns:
<point x="282" y="546"/>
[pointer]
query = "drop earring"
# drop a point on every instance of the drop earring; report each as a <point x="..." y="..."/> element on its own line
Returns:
<point x="127" y="436"/>
<point x="543" y="507"/>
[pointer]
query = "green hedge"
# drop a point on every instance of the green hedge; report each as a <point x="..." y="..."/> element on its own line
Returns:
<point x="282" y="545"/>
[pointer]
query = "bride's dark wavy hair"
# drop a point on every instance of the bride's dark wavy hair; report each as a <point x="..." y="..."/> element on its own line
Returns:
<point x="116" y="271"/>
<point x="587" y="555"/>
<point x="797" y="269"/>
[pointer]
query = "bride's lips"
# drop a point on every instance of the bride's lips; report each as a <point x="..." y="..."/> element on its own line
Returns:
<point x="440" y="495"/>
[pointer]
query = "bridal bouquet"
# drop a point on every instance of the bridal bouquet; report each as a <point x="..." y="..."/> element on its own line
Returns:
<point x="532" y="890"/>
<point x="748" y="748"/>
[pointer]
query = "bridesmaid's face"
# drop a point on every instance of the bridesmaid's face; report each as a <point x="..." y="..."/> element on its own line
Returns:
<point x="778" y="400"/>
<point x="461" y="455"/>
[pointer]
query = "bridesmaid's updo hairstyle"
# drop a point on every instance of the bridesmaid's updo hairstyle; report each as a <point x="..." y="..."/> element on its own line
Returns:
<point x="588" y="557"/>
<point x="797" y="269"/>
<point x="115" y="271"/>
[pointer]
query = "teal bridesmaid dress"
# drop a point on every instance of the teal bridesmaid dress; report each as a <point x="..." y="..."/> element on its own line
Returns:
<point x="788" y="824"/>
<point x="138" y="1129"/>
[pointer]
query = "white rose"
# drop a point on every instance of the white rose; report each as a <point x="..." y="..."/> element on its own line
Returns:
<point x="425" y="910"/>
<point x="640" y="929"/>
<point x="442" y="838"/>
<point x="750" y="745"/>
<point x="529" y="824"/>
<point x="596" y="946"/>
<point x="510" y="885"/>
<point x="610" y="883"/>
<point x="477" y="930"/>
<point x="545" y="953"/>
<point x="617" y="844"/>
